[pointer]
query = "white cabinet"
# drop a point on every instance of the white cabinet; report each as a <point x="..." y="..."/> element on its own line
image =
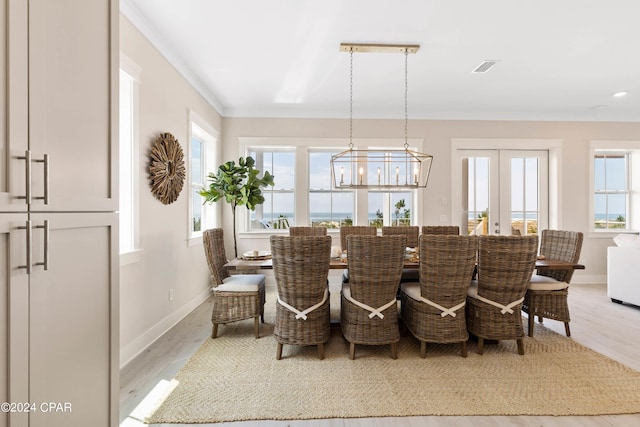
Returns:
<point x="58" y="197"/>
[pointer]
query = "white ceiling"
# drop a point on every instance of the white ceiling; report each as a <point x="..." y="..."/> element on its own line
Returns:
<point x="558" y="59"/>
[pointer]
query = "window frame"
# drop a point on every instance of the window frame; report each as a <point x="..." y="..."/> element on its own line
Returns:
<point x="631" y="149"/>
<point x="130" y="70"/>
<point x="208" y="164"/>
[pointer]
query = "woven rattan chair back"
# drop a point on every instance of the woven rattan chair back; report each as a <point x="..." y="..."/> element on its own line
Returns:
<point x="505" y="266"/>
<point x="440" y="229"/>
<point x="447" y="263"/>
<point x="562" y="246"/>
<point x="301" y="268"/>
<point x="355" y="230"/>
<point x="411" y="231"/>
<point x="213" y="240"/>
<point x="375" y="266"/>
<point x="307" y="231"/>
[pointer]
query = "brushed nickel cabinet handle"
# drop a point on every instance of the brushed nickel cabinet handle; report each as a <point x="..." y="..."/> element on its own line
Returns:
<point x="45" y="262"/>
<point x="27" y="178"/>
<point x="28" y="228"/>
<point x="45" y="161"/>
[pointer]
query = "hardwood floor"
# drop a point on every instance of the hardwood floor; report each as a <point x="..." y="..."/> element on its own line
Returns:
<point x="608" y="328"/>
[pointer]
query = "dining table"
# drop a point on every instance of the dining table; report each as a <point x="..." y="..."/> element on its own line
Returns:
<point x="338" y="264"/>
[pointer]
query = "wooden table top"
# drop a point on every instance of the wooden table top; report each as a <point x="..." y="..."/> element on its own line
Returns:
<point x="337" y="264"/>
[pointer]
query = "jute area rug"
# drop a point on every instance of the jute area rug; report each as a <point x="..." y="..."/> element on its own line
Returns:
<point x="236" y="377"/>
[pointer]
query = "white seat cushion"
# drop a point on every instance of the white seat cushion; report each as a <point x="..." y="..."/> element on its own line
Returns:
<point x="544" y="283"/>
<point x="412" y="290"/>
<point x="473" y="289"/>
<point x="242" y="283"/>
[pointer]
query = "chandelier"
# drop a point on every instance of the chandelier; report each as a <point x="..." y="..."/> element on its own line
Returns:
<point x="399" y="168"/>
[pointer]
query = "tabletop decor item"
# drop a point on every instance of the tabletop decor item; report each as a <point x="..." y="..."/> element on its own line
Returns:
<point x="166" y="169"/>
<point x="237" y="185"/>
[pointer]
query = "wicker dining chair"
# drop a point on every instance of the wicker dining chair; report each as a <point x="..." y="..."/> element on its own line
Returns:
<point x="433" y="309"/>
<point x="236" y="297"/>
<point x="356" y="230"/>
<point x="368" y="309"/>
<point x="547" y="296"/>
<point x="301" y="268"/>
<point x="440" y="229"/>
<point x="494" y="300"/>
<point x="307" y="231"/>
<point x="411" y="231"/>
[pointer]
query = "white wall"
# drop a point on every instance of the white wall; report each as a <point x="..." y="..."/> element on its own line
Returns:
<point x="574" y="167"/>
<point x="166" y="261"/>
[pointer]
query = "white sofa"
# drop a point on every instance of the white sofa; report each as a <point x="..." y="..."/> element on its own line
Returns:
<point x="623" y="274"/>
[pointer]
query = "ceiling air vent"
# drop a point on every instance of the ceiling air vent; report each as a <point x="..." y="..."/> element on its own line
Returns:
<point x="485" y="66"/>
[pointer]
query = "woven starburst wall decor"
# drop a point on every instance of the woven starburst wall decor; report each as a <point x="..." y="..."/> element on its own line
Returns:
<point x="166" y="169"/>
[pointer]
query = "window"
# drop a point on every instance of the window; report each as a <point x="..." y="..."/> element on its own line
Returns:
<point x="278" y="209"/>
<point x="202" y="161"/>
<point x="128" y="152"/>
<point x="611" y="191"/>
<point x="390" y="208"/>
<point x="327" y="208"/>
<point x="303" y="193"/>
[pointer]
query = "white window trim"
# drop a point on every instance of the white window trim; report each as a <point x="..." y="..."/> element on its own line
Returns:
<point x="134" y="71"/>
<point x="211" y="152"/>
<point x="632" y="148"/>
<point x="302" y="146"/>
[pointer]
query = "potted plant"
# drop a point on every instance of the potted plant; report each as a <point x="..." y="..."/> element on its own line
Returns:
<point x="237" y="185"/>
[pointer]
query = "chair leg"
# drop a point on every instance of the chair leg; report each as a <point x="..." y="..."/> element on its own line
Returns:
<point x="352" y="351"/>
<point x="279" y="351"/>
<point x="480" y="345"/>
<point x="321" y="351"/>
<point x="520" y="343"/>
<point x="214" y="332"/>
<point x="256" y="327"/>
<point x="423" y="349"/>
<point x="531" y="322"/>
<point x="394" y="350"/>
<point x="566" y="329"/>
<point x="463" y="349"/>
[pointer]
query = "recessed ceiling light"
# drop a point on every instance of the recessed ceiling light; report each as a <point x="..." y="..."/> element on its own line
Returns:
<point x="620" y="94"/>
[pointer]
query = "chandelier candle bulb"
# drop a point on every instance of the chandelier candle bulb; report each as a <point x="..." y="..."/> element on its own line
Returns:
<point x="361" y="173"/>
<point x="378" y="176"/>
<point x="341" y="175"/>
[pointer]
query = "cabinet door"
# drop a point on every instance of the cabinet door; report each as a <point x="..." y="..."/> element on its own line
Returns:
<point x="73" y="81"/>
<point x="14" y="312"/>
<point x="73" y="357"/>
<point x="14" y="111"/>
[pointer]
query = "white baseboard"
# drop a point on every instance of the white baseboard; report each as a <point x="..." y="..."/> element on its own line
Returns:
<point x="138" y="345"/>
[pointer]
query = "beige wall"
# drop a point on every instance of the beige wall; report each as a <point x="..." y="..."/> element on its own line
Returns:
<point x="574" y="167"/>
<point x="166" y="261"/>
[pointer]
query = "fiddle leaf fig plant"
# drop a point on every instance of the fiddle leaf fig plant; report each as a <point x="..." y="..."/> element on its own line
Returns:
<point x="239" y="185"/>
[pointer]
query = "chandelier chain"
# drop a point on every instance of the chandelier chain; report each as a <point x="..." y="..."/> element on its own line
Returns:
<point x="351" y="99"/>
<point x="406" y="95"/>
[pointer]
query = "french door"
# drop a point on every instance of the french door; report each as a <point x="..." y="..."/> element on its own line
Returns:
<point x="503" y="191"/>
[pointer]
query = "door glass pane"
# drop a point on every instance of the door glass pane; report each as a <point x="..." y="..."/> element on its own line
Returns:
<point x="376" y="208"/>
<point x="331" y="209"/>
<point x="478" y="195"/>
<point x="401" y="208"/>
<point x="524" y="195"/>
